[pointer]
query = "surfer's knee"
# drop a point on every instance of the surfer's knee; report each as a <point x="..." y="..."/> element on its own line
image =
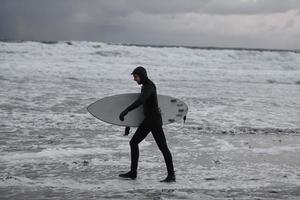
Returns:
<point x="132" y="143"/>
<point x="163" y="147"/>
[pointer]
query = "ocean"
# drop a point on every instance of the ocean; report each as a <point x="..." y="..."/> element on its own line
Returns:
<point x="240" y="140"/>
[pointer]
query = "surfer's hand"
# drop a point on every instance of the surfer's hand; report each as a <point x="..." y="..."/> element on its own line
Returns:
<point x="122" y="115"/>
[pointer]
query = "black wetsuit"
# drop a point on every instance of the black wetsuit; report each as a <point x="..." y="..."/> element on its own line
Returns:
<point x="152" y="122"/>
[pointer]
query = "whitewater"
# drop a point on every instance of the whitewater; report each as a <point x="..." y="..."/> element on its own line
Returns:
<point x="240" y="140"/>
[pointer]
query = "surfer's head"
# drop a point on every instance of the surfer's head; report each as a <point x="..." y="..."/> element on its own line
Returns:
<point x="140" y="75"/>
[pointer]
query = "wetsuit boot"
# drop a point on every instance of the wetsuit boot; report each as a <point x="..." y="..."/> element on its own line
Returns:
<point x="170" y="178"/>
<point x="130" y="174"/>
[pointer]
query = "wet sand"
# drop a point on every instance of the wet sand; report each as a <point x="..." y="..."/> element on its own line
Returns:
<point x="84" y="164"/>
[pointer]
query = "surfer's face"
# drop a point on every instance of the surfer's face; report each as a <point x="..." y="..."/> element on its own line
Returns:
<point x="137" y="78"/>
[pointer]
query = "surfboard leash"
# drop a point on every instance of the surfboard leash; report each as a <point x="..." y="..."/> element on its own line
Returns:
<point x="127" y="131"/>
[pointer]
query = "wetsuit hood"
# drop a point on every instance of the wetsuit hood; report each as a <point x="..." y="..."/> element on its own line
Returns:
<point x="141" y="71"/>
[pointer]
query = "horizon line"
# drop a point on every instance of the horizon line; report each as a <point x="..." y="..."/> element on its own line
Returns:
<point x="160" y="46"/>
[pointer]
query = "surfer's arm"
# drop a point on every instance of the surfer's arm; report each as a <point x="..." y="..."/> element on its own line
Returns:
<point x="146" y="92"/>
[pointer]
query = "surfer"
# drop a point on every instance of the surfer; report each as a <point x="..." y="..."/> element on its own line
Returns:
<point x="152" y="122"/>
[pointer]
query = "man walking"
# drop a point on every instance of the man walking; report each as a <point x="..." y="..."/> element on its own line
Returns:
<point x="152" y="122"/>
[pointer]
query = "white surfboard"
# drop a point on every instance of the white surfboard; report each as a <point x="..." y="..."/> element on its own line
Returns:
<point x="109" y="108"/>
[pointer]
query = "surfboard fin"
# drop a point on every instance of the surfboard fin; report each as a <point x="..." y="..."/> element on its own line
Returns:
<point x="127" y="130"/>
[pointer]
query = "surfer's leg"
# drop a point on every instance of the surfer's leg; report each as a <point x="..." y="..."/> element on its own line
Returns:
<point x="161" y="142"/>
<point x="139" y="135"/>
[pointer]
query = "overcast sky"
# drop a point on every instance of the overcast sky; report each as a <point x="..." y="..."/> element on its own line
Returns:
<point x="222" y="23"/>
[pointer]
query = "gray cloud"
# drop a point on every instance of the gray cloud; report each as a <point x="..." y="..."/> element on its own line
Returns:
<point x="244" y="7"/>
<point x="222" y="7"/>
<point x="248" y="23"/>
